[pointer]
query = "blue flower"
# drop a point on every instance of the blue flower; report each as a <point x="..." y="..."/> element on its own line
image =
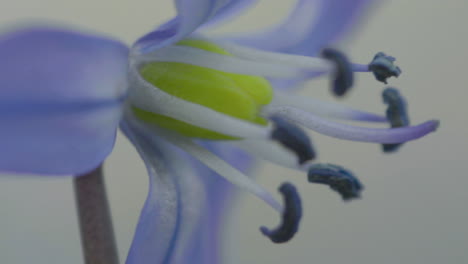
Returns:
<point x="64" y="94"/>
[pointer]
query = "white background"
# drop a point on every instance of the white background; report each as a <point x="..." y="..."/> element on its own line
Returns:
<point x="413" y="208"/>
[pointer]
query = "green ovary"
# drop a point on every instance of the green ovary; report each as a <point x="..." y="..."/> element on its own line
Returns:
<point x="236" y="95"/>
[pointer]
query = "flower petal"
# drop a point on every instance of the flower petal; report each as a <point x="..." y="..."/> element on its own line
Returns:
<point x="191" y="14"/>
<point x="181" y="220"/>
<point x="156" y="228"/>
<point x="192" y="204"/>
<point x="60" y="100"/>
<point x="306" y="34"/>
<point x="230" y="10"/>
<point x="221" y="194"/>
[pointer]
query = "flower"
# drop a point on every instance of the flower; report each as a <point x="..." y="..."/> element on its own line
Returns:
<point x="64" y="94"/>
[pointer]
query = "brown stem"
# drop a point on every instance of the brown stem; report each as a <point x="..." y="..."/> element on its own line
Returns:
<point x="97" y="236"/>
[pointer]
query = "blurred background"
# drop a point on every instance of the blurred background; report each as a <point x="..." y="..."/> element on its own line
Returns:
<point x="413" y="209"/>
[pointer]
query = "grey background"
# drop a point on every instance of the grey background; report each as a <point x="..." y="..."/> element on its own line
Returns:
<point x="413" y="208"/>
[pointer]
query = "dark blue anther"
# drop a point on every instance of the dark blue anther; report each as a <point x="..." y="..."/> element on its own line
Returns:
<point x="343" y="79"/>
<point x="382" y="66"/>
<point x="338" y="178"/>
<point x="396" y="114"/>
<point x="293" y="138"/>
<point x="291" y="217"/>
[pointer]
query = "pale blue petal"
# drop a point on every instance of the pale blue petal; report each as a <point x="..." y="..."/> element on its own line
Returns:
<point x="336" y="18"/>
<point x="171" y="218"/>
<point x="193" y="199"/>
<point x="220" y="195"/>
<point x="60" y="100"/>
<point x="191" y="14"/>
<point x="311" y="26"/>
<point x="155" y="232"/>
<point x="230" y="10"/>
<point x="206" y="244"/>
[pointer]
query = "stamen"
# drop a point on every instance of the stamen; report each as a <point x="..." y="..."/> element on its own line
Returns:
<point x="355" y="133"/>
<point x="215" y="163"/>
<point x="290" y="218"/>
<point x="202" y="58"/>
<point x="253" y="54"/>
<point x="270" y="151"/>
<point x="396" y="113"/>
<point x="325" y="109"/>
<point x="293" y="138"/>
<point x="343" y="77"/>
<point x="319" y="65"/>
<point x="337" y="178"/>
<point x="382" y="66"/>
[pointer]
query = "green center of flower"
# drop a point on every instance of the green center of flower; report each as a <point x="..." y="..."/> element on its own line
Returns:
<point x="237" y="95"/>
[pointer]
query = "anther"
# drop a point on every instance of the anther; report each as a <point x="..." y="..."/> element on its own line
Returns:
<point x="382" y="66"/>
<point x="291" y="217"/>
<point x="396" y="114"/>
<point x="343" y="78"/>
<point x="293" y="138"/>
<point x="337" y="178"/>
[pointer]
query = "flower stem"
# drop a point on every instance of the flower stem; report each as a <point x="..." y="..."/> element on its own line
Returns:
<point x="97" y="236"/>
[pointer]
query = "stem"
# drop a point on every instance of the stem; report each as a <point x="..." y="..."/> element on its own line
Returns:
<point x="97" y="236"/>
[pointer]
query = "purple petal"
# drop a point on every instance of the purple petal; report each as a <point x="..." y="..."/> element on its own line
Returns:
<point x="206" y="244"/>
<point x="191" y="14"/>
<point x="230" y="10"/>
<point x="171" y="218"/>
<point x="155" y="232"/>
<point x="60" y="100"/>
<point x="220" y="195"/>
<point x="306" y="34"/>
